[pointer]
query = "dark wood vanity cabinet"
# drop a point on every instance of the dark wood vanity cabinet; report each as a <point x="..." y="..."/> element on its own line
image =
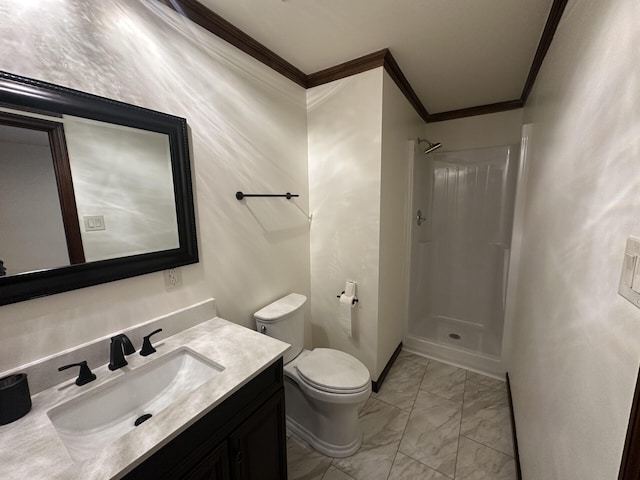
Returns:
<point x="257" y="451"/>
<point x="243" y="438"/>
<point x="213" y="467"/>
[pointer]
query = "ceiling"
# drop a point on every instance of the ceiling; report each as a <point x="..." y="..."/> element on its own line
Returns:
<point x="455" y="54"/>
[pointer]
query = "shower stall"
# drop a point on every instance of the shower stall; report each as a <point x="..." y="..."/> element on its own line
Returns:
<point x="463" y="203"/>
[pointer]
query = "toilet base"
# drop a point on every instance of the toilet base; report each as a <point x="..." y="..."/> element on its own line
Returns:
<point x="322" y="446"/>
<point x="330" y="428"/>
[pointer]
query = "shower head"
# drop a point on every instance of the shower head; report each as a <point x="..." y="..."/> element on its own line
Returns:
<point x="430" y="146"/>
<point x="433" y="147"/>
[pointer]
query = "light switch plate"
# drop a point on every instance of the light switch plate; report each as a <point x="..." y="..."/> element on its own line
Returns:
<point x="629" y="286"/>
<point x="93" y="223"/>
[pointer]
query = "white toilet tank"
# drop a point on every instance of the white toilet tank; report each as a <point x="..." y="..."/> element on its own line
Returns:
<point x="284" y="320"/>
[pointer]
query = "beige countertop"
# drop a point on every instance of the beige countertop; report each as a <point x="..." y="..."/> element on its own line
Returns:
<point x="31" y="449"/>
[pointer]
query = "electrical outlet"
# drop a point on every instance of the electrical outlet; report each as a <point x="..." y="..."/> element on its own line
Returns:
<point x="172" y="278"/>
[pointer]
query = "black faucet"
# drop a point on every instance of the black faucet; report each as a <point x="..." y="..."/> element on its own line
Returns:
<point x="147" y="348"/>
<point x="85" y="376"/>
<point x="120" y="346"/>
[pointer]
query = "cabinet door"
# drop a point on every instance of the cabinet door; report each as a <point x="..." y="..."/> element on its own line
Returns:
<point x="258" y="446"/>
<point x="215" y="466"/>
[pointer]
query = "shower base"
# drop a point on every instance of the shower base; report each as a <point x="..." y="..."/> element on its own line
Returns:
<point x="459" y="343"/>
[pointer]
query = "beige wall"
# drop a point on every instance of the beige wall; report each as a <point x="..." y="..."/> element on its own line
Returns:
<point x="400" y="123"/>
<point x="248" y="132"/>
<point x="359" y="150"/>
<point x="345" y="138"/>
<point x="576" y="342"/>
<point x="494" y="129"/>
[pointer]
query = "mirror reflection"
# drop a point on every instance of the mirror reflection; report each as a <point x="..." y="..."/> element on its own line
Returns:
<point x="118" y="204"/>
<point x="90" y="191"/>
<point x="32" y="234"/>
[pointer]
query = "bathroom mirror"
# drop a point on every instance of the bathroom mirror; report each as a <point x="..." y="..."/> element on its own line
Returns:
<point x="93" y="190"/>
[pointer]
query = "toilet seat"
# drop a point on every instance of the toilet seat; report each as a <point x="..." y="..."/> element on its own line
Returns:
<point x="333" y="371"/>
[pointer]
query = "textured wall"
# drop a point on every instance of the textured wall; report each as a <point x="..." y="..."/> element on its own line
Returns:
<point x="345" y="129"/>
<point x="400" y="124"/>
<point x="248" y="132"/>
<point x="359" y="151"/>
<point x="503" y="128"/>
<point x="576" y="342"/>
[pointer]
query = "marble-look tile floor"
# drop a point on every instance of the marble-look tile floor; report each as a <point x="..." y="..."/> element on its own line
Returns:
<point x="429" y="421"/>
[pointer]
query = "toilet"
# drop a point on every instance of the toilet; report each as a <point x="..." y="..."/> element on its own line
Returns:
<point x="324" y="388"/>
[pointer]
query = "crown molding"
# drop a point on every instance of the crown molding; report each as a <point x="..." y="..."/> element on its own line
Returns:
<point x="214" y="23"/>
<point x="550" y="27"/>
<point x="346" y="69"/>
<point x="394" y="71"/>
<point x="381" y="58"/>
<point x="473" y="111"/>
<point x="555" y="14"/>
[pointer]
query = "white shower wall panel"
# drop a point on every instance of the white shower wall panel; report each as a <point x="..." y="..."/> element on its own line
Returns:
<point x="461" y="251"/>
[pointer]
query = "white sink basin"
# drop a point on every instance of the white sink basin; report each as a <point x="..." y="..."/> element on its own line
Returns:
<point x="95" y="419"/>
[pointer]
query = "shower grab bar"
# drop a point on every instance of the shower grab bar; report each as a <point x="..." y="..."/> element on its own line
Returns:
<point x="288" y="195"/>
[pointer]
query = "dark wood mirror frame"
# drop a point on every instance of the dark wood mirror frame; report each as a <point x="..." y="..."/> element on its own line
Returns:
<point x="25" y="94"/>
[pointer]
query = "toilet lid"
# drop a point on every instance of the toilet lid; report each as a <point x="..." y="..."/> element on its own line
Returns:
<point x="333" y="371"/>
<point x="280" y="308"/>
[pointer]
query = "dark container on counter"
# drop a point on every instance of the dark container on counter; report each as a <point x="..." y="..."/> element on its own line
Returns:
<point x="15" y="399"/>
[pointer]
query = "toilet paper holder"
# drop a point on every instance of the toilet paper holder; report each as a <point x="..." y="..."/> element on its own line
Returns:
<point x="353" y="302"/>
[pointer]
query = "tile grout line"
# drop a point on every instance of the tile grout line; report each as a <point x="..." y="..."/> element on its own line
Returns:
<point x="492" y="406"/>
<point x="464" y="390"/>
<point x="487" y="446"/>
<point x="392" y="405"/>
<point x="418" y="391"/>
<point x="304" y="443"/>
<point x="410" y="409"/>
<point x="339" y="469"/>
<point x="469" y="384"/>
<point x="440" y="396"/>
<point x="428" y="466"/>
<point x="487" y="387"/>
<point x="405" y="429"/>
<point x="408" y="418"/>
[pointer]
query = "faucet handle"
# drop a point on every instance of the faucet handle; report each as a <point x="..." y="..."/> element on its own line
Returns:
<point x="147" y="348"/>
<point x="85" y="375"/>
